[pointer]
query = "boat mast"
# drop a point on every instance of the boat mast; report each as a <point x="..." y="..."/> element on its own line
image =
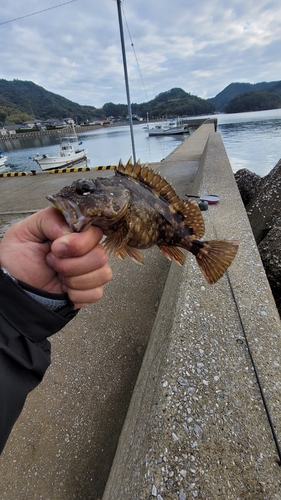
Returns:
<point x="126" y="78"/>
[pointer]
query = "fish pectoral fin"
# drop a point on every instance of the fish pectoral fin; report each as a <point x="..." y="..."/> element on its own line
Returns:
<point x="121" y="253"/>
<point x="214" y="257"/>
<point x="131" y="252"/>
<point x="174" y="253"/>
<point x="116" y="241"/>
<point x="116" y="244"/>
<point x="134" y="254"/>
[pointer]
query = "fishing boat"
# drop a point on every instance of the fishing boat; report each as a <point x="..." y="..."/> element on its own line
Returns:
<point x="69" y="155"/>
<point x="3" y="159"/>
<point x="168" y="128"/>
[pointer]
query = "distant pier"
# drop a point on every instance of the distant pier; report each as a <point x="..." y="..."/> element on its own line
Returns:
<point x="193" y="122"/>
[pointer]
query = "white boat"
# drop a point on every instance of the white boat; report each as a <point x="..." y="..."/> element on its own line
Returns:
<point x="3" y="159"/>
<point x="172" y="128"/>
<point x="68" y="155"/>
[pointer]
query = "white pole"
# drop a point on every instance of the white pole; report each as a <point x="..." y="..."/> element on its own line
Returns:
<point x="126" y="78"/>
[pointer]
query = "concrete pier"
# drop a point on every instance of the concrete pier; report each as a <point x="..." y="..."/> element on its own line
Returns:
<point x="161" y="365"/>
<point x="197" y="426"/>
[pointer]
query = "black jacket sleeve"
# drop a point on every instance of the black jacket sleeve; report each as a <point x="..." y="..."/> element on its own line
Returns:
<point x="25" y="325"/>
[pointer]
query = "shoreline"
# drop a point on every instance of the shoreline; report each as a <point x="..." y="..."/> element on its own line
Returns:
<point x="38" y="133"/>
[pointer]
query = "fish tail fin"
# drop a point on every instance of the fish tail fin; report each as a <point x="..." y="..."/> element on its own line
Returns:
<point x="214" y="257"/>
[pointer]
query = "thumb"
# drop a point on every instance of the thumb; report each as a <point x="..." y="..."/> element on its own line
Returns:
<point x="48" y="224"/>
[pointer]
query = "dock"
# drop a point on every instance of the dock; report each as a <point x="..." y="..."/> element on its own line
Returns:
<point x="168" y="388"/>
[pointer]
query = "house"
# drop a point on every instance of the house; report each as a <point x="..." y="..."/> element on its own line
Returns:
<point x="35" y="124"/>
<point x="69" y="121"/>
<point x="32" y="123"/>
<point x="55" y="122"/>
<point x="12" y="129"/>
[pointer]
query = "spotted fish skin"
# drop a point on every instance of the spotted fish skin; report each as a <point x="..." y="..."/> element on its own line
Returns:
<point x="136" y="209"/>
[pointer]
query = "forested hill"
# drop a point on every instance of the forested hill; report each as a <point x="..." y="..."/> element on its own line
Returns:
<point x="172" y="103"/>
<point x="23" y="100"/>
<point x="238" y="97"/>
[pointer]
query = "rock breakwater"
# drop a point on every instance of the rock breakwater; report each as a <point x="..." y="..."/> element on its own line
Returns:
<point x="262" y="199"/>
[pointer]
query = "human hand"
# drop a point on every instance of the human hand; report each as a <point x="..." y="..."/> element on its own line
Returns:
<point x="43" y="252"/>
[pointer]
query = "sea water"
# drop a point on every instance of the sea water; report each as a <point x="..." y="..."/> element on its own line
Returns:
<point x="252" y="141"/>
<point x="106" y="146"/>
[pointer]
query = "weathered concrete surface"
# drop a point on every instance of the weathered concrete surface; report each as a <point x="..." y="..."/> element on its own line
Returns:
<point x="181" y="166"/>
<point x="196" y="426"/>
<point x="64" y="442"/>
<point x="28" y="193"/>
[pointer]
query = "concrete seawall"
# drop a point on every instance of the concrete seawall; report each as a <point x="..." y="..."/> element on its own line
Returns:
<point x="169" y="350"/>
<point x="197" y="426"/>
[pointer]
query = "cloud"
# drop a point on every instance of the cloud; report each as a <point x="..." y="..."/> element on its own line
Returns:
<point x="74" y="50"/>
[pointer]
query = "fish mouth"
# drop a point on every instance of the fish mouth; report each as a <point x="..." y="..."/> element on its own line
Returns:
<point x="76" y="220"/>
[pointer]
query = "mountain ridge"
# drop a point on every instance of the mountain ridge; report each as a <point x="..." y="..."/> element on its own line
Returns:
<point x="222" y="99"/>
<point x="24" y="100"/>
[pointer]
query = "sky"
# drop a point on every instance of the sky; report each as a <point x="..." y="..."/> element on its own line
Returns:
<point x="73" y="48"/>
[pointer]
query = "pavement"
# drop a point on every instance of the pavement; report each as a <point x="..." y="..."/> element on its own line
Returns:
<point x="159" y="369"/>
<point x="64" y="442"/>
<point x="71" y="423"/>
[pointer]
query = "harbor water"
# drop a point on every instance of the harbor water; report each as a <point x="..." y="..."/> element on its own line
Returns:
<point x="252" y="141"/>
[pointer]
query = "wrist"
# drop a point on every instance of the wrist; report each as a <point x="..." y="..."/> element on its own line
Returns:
<point x="52" y="301"/>
<point x="28" y="316"/>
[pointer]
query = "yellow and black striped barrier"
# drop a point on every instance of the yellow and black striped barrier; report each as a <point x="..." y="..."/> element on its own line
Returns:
<point x="80" y="169"/>
<point x="67" y="170"/>
<point x="61" y="170"/>
<point x="105" y="167"/>
<point x="13" y="174"/>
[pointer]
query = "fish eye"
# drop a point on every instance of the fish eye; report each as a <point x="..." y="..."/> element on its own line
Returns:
<point x="85" y="187"/>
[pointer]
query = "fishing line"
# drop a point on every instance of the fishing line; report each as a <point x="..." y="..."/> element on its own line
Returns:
<point x="38" y="12"/>
<point x="132" y="44"/>
<point x="275" y="438"/>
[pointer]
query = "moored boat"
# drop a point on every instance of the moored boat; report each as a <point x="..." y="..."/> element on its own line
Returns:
<point x="3" y="159"/>
<point x="171" y="128"/>
<point x="68" y="155"/>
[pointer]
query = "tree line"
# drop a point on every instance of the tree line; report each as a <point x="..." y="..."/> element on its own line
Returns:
<point x="21" y="101"/>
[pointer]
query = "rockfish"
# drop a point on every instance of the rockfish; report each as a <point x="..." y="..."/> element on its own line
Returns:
<point x="137" y="208"/>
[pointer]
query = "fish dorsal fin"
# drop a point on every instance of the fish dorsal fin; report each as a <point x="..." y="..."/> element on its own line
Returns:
<point x="189" y="209"/>
<point x="158" y="184"/>
<point x="192" y="215"/>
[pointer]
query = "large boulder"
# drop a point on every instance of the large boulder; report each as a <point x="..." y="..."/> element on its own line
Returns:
<point x="264" y="209"/>
<point x="270" y="252"/>
<point x="262" y="199"/>
<point x="248" y="184"/>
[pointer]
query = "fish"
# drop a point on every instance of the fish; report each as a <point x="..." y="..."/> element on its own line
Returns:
<point x="137" y="208"/>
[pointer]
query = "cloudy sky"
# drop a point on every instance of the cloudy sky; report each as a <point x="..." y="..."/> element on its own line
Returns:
<point x="73" y="47"/>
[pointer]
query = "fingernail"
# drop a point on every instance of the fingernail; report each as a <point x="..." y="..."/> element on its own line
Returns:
<point x="61" y="250"/>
